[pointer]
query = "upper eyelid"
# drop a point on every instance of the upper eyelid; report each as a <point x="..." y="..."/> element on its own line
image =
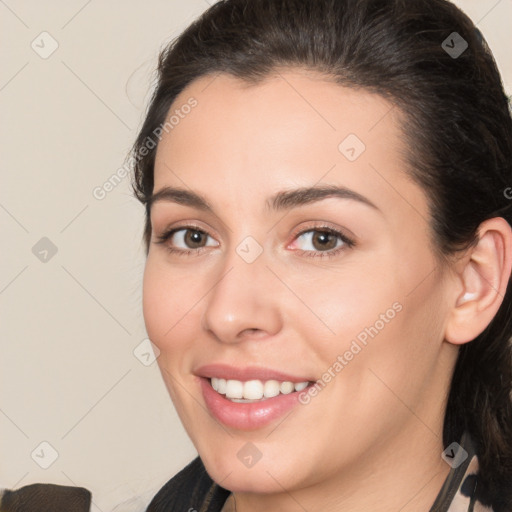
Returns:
<point x="296" y="233"/>
<point x="189" y="225"/>
<point x="166" y="233"/>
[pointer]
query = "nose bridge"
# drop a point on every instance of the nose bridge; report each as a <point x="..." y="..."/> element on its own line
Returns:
<point x="241" y="299"/>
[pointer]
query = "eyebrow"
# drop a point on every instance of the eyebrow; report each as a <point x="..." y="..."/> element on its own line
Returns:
<point x="284" y="200"/>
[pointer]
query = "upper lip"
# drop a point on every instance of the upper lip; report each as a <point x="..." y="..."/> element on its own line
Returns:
<point x="225" y="371"/>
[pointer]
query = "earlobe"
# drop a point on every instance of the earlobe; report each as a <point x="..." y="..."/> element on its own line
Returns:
<point x="484" y="278"/>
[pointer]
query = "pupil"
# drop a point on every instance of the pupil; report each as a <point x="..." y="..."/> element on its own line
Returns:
<point x="194" y="238"/>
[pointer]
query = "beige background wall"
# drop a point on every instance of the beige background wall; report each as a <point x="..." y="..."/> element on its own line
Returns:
<point x="71" y="321"/>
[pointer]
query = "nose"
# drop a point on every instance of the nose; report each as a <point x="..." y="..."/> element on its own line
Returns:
<point x="243" y="303"/>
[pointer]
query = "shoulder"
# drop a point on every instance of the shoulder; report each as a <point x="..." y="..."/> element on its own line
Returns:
<point x="190" y="489"/>
<point x="43" y="496"/>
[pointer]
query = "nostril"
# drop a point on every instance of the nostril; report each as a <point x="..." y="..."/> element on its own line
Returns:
<point x="252" y="332"/>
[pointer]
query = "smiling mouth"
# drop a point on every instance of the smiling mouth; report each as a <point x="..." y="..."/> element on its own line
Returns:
<point x="254" y="390"/>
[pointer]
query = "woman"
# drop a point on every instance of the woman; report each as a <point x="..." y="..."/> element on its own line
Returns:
<point x="329" y="254"/>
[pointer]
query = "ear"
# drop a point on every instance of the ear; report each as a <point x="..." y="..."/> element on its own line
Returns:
<point x="483" y="277"/>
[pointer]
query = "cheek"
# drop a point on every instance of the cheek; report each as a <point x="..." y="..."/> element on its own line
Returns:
<point x="155" y="299"/>
<point x="380" y="316"/>
<point x="169" y="297"/>
<point x="172" y="322"/>
<point x="345" y="300"/>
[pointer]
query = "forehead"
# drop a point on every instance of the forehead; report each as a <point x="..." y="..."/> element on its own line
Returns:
<point x="295" y="127"/>
<point x="303" y="100"/>
<point x="286" y="107"/>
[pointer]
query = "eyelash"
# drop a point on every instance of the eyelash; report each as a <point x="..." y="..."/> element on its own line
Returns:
<point x="348" y="242"/>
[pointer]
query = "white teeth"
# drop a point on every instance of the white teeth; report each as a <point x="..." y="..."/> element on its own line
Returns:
<point x="300" y="386"/>
<point x="271" y="388"/>
<point x="234" y="389"/>
<point x="254" y="390"/>
<point x="222" y="386"/>
<point x="286" y="387"/>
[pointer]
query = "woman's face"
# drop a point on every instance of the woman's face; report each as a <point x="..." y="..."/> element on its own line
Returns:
<point x="272" y="275"/>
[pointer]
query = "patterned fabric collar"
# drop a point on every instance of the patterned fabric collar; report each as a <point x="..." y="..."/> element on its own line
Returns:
<point x="458" y="493"/>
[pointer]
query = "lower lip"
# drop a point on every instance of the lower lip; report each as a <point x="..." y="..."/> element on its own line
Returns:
<point x="247" y="416"/>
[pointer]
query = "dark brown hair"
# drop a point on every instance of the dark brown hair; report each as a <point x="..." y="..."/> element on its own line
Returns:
<point x="457" y="126"/>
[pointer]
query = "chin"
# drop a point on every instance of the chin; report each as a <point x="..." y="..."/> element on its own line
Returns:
<point x="259" y="480"/>
<point x="263" y="477"/>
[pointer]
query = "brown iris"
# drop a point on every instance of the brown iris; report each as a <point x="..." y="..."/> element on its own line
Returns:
<point x="194" y="238"/>
<point x="323" y="240"/>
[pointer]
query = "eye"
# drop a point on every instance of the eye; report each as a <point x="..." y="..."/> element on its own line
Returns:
<point x="317" y="242"/>
<point x="322" y="240"/>
<point x="186" y="239"/>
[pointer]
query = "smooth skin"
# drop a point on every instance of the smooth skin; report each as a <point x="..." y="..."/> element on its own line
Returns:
<point x="372" y="438"/>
